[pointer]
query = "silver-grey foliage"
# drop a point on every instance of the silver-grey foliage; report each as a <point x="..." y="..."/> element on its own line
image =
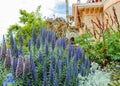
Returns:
<point x="95" y="78"/>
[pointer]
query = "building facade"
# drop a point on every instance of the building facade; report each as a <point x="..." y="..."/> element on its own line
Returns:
<point x="83" y="13"/>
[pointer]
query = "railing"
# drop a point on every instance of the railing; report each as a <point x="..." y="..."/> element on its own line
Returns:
<point x="90" y="4"/>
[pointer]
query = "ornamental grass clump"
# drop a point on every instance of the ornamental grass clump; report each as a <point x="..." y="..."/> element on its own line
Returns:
<point x="48" y="62"/>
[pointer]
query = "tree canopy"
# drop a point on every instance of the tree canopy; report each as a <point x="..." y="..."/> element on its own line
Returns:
<point x="27" y="21"/>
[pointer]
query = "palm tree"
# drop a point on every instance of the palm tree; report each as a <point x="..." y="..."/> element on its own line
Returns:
<point x="67" y="12"/>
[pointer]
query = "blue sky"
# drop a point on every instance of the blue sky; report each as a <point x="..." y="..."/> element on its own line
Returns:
<point x="61" y="8"/>
<point x="9" y="10"/>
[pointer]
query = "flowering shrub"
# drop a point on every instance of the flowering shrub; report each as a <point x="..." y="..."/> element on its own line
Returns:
<point x="48" y="62"/>
<point x="103" y="41"/>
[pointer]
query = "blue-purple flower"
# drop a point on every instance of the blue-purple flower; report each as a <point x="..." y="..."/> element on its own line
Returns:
<point x="46" y="48"/>
<point x="82" y="69"/>
<point x="44" y="69"/>
<point x="70" y="51"/>
<point x="11" y="41"/>
<point x="15" y="60"/>
<point x="3" y="49"/>
<point x="20" y="67"/>
<point x="15" y="50"/>
<point x="62" y="64"/>
<point x="52" y="60"/>
<point x="28" y="82"/>
<point x="20" y="39"/>
<point x="26" y="65"/>
<point x="75" y="69"/>
<point x="63" y="42"/>
<point x="32" y="67"/>
<point x="40" y="57"/>
<point x="53" y="41"/>
<point x="20" y="51"/>
<point x="29" y="45"/>
<point x="8" y="59"/>
<point x="87" y="63"/>
<point x="44" y="34"/>
<point x="51" y="74"/>
<point x="49" y="35"/>
<point x="38" y="42"/>
<point x="34" y="36"/>
<point x="59" y="43"/>
<point x="56" y="82"/>
<point x="9" y="80"/>
<point x="59" y="52"/>
<point x="57" y="66"/>
<point x="68" y="77"/>
<point x="79" y="54"/>
<point x="45" y="80"/>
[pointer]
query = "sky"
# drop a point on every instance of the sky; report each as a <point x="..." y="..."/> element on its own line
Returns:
<point x="9" y="10"/>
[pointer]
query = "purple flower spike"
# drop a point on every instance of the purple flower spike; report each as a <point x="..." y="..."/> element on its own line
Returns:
<point x="45" y="80"/>
<point x="75" y="70"/>
<point x="59" y="43"/>
<point x="34" y="36"/>
<point x="32" y="67"/>
<point x="56" y="82"/>
<point x="20" y="39"/>
<point x="63" y="43"/>
<point x="60" y="53"/>
<point x="57" y="66"/>
<point x="87" y="62"/>
<point x="28" y="82"/>
<point x="19" y="68"/>
<point x="15" y="50"/>
<point x="14" y="64"/>
<point x="46" y="48"/>
<point x="29" y="45"/>
<point x="70" y="51"/>
<point x="44" y="69"/>
<point x="49" y="36"/>
<point x="51" y="74"/>
<point x="40" y="57"/>
<point x="44" y="33"/>
<point x="20" y="52"/>
<point x="8" y="59"/>
<point x="52" y="60"/>
<point x="75" y="58"/>
<point x="67" y="80"/>
<point x="3" y="49"/>
<point x="26" y="66"/>
<point x="38" y="42"/>
<point x="53" y="41"/>
<point x="11" y="41"/>
<point x="79" y="53"/>
<point x="62" y="64"/>
<point x="82" y="69"/>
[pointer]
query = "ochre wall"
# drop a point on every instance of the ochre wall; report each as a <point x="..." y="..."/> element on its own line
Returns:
<point x="108" y="7"/>
<point x="86" y="16"/>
